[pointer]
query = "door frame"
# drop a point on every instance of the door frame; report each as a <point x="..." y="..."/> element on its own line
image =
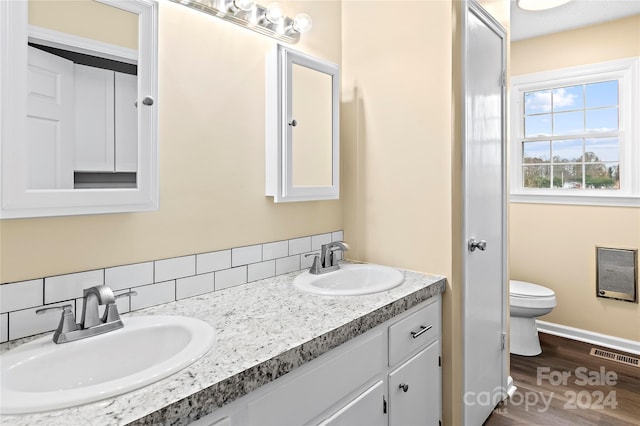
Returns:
<point x="472" y="6"/>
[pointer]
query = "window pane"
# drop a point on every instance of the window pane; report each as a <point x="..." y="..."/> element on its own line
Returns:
<point x="602" y="149"/>
<point x="536" y="152"/>
<point x="537" y="102"/>
<point x="568" y="123"/>
<point x="568" y="98"/>
<point x="602" y="94"/>
<point x="536" y="176"/>
<point x="567" y="176"/>
<point x="602" y="120"/>
<point x="602" y="176"/>
<point x="567" y="151"/>
<point x="537" y="125"/>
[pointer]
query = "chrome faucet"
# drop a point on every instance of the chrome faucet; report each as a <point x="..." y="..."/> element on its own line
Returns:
<point x="326" y="261"/>
<point x="91" y="323"/>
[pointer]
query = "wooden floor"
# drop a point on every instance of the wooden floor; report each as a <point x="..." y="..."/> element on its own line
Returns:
<point x="567" y="386"/>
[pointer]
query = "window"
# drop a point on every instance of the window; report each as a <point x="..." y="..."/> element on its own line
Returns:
<point x="574" y="135"/>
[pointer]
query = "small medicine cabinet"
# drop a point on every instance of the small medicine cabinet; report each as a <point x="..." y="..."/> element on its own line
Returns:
<point x="302" y="127"/>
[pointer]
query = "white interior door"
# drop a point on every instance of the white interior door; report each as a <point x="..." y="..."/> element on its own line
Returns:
<point x="50" y="107"/>
<point x="126" y="122"/>
<point x="484" y="216"/>
<point x="94" y="118"/>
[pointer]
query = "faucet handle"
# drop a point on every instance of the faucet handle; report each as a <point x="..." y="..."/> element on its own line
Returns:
<point x="126" y="293"/>
<point x="111" y="313"/>
<point x="315" y="267"/>
<point x="67" y="320"/>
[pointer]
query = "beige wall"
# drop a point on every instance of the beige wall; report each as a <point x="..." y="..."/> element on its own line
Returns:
<point x="86" y="18"/>
<point x="396" y="139"/>
<point x="212" y="164"/>
<point x="555" y="245"/>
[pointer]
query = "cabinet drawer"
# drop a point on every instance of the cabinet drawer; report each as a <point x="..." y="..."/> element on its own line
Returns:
<point x="414" y="332"/>
<point x="326" y="381"/>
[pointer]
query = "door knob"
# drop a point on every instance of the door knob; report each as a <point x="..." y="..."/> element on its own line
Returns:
<point x="475" y="244"/>
<point x="404" y="387"/>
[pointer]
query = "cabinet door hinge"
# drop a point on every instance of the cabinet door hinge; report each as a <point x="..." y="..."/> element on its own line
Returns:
<point x="384" y="405"/>
<point x="503" y="340"/>
<point x="503" y="79"/>
<point x="439" y="361"/>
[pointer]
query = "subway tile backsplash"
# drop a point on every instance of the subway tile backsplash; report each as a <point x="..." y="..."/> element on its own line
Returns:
<point x="21" y="295"/>
<point x="65" y="287"/>
<point x="4" y="327"/>
<point x="155" y="282"/>
<point x="121" y="277"/>
<point x="177" y="267"/>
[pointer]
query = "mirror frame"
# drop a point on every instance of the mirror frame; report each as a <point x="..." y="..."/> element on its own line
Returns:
<point x="279" y="138"/>
<point x="16" y="199"/>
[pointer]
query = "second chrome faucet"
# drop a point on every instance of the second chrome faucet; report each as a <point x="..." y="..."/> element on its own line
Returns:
<point x="327" y="261"/>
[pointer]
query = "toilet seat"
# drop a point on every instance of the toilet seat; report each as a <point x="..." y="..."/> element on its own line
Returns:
<point x="528" y="295"/>
<point x="525" y="289"/>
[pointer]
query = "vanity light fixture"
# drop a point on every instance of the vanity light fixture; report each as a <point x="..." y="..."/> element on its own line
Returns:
<point x="536" y="5"/>
<point x="267" y="20"/>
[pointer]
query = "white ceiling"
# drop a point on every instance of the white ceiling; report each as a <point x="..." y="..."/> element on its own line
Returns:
<point x="575" y="14"/>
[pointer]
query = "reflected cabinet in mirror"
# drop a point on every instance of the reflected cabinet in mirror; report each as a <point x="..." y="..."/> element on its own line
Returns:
<point x="79" y="112"/>
<point x="302" y="129"/>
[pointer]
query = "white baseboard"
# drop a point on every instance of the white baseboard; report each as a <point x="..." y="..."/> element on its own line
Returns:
<point x="611" y="342"/>
<point x="511" y="388"/>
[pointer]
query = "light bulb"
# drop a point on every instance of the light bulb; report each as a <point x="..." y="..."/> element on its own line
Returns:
<point x="244" y="5"/>
<point x="535" y="5"/>
<point x="274" y="13"/>
<point x="302" y="23"/>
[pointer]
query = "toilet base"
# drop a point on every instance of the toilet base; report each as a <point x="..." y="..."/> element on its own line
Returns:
<point x="524" y="337"/>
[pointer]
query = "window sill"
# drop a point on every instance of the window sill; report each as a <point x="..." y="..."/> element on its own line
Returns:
<point x="575" y="199"/>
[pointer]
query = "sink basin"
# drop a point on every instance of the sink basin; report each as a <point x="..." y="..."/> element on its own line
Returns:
<point x="350" y="280"/>
<point x="41" y="375"/>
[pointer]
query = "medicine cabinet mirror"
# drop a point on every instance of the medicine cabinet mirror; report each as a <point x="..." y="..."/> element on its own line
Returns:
<point x="302" y="128"/>
<point x="78" y="110"/>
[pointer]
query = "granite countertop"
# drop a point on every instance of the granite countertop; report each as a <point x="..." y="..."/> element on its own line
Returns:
<point x="263" y="330"/>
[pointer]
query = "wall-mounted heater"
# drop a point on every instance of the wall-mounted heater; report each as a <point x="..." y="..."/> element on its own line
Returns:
<point x="617" y="274"/>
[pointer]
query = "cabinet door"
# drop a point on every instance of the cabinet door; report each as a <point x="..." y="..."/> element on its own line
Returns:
<point x="365" y="410"/>
<point x="414" y="390"/>
<point x="94" y="133"/>
<point x="126" y="122"/>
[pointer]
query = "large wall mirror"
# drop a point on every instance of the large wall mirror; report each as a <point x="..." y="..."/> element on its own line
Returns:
<point x="79" y="108"/>
<point x="302" y="144"/>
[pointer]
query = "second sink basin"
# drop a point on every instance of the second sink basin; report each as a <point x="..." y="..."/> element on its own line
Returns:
<point x="41" y="375"/>
<point x="350" y="280"/>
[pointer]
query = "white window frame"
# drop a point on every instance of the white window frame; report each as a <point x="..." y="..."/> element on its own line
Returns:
<point x="626" y="71"/>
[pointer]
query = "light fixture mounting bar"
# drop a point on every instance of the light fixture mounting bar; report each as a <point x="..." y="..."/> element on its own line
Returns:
<point x="254" y="19"/>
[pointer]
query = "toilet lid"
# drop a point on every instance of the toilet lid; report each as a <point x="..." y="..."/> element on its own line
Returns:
<point x="525" y="289"/>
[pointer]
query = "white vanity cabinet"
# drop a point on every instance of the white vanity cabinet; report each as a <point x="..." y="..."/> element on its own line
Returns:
<point x="364" y="410"/>
<point x="105" y="120"/>
<point x="361" y="382"/>
<point x="414" y="389"/>
<point x="414" y="359"/>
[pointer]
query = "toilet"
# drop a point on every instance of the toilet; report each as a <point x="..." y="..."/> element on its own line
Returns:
<point x="527" y="301"/>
